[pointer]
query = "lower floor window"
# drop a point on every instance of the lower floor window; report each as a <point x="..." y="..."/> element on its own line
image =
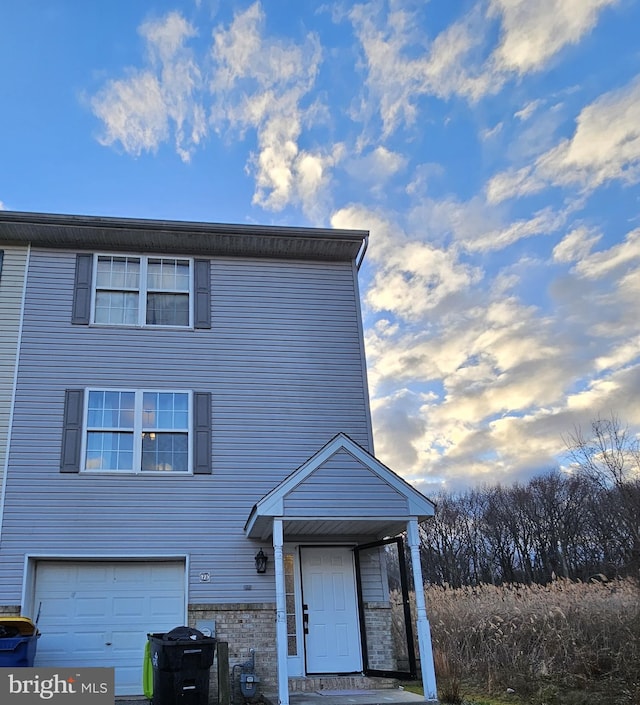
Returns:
<point x="137" y="431"/>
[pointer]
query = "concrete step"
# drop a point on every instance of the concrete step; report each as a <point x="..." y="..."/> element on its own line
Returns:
<point x="312" y="684"/>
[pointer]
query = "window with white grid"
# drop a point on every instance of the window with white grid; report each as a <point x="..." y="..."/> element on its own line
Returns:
<point x="142" y="291"/>
<point x="137" y="431"/>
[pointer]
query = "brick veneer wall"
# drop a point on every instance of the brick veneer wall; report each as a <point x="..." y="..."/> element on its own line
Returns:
<point x="379" y="625"/>
<point x="243" y="626"/>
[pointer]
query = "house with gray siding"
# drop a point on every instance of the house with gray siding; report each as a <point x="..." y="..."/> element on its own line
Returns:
<point x="177" y="399"/>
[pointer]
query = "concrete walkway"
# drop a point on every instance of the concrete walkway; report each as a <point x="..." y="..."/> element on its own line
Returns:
<point x="387" y="696"/>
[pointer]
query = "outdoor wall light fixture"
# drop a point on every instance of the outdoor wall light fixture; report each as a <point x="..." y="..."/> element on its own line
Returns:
<point x="261" y="562"/>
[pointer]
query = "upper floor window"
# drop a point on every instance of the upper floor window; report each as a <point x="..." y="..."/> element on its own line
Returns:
<point x="152" y="291"/>
<point x="141" y="290"/>
<point x="136" y="431"/>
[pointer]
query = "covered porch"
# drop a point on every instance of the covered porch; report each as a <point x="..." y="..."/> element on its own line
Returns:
<point x="341" y="582"/>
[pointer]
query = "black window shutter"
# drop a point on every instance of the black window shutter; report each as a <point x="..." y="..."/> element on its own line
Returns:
<point x="82" y="290"/>
<point x="202" y="293"/>
<point x="72" y="430"/>
<point x="202" y="433"/>
<point x="1" y="259"/>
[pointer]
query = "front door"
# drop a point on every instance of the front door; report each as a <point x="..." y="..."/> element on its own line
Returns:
<point x="330" y="610"/>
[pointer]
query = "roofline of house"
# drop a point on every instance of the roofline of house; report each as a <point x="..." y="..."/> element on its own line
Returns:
<point x="180" y="237"/>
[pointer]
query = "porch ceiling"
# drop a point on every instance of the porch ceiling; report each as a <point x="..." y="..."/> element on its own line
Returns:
<point x="330" y="526"/>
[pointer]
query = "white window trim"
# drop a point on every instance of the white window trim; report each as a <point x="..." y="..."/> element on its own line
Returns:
<point x="142" y="291"/>
<point x="137" y="433"/>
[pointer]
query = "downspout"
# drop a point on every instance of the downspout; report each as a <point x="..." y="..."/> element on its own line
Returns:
<point x="363" y="252"/>
<point x="3" y="491"/>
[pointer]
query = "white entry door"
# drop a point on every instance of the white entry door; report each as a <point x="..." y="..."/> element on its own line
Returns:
<point x="330" y="610"/>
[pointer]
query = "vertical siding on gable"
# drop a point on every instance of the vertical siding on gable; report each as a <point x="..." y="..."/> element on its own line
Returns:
<point x="11" y="290"/>
<point x="283" y="362"/>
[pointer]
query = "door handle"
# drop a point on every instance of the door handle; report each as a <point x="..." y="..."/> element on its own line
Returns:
<point x="305" y="618"/>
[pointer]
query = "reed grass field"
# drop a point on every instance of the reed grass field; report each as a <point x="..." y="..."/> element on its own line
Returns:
<point x="565" y="643"/>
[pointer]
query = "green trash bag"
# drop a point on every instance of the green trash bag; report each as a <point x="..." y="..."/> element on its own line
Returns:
<point x="147" y="673"/>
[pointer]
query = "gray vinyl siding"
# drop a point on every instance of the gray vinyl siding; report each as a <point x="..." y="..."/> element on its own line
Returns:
<point x="283" y="361"/>
<point x="342" y="487"/>
<point x="373" y="576"/>
<point x="11" y="289"/>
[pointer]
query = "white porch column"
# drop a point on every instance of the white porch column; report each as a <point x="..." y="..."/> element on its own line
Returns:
<point x="281" y="613"/>
<point x="422" y="623"/>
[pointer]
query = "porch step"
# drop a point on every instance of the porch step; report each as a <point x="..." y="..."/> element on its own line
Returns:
<point x="312" y="684"/>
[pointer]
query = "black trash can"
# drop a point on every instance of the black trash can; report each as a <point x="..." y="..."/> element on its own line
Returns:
<point x="181" y="660"/>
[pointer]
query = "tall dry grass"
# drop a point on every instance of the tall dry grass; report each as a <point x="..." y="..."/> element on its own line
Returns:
<point x="565" y="636"/>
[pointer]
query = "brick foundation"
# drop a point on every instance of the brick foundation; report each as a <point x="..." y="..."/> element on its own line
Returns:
<point x="243" y="626"/>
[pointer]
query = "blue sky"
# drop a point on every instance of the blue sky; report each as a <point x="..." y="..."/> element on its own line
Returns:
<point x="492" y="148"/>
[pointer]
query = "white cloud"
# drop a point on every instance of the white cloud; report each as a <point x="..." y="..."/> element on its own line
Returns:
<point x="468" y="382"/>
<point x="134" y="113"/>
<point x="492" y="132"/>
<point x="397" y="77"/>
<point x="478" y="227"/>
<point x="403" y="65"/>
<point x="575" y="245"/>
<point x="533" y="32"/>
<point x="386" y="233"/>
<point x="257" y="83"/>
<point x="261" y="83"/>
<point x="513" y="183"/>
<point x="527" y="111"/>
<point x="375" y="168"/>
<point x="604" y="147"/>
<point x="623" y="254"/>
<point x="544" y="222"/>
<point x="402" y="426"/>
<point x="140" y="111"/>
<point x="417" y="278"/>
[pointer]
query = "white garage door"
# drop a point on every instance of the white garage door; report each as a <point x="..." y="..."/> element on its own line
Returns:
<point x="99" y="613"/>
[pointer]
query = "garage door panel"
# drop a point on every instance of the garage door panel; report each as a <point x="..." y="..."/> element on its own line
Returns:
<point x="86" y="607"/>
<point x="88" y="644"/>
<point x="90" y="575"/>
<point x="99" y="614"/>
<point x="56" y="643"/>
<point x="159" y="572"/>
<point x="128" y="574"/>
<point x="126" y="643"/>
<point x="55" y="608"/>
<point x="162" y="608"/>
<point x="123" y="606"/>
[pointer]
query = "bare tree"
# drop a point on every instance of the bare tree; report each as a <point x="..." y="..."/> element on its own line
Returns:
<point x="609" y="456"/>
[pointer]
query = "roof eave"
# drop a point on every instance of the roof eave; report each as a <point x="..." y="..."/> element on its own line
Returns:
<point x="169" y="236"/>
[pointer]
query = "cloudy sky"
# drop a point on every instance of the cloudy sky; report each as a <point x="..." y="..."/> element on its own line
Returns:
<point x="492" y="148"/>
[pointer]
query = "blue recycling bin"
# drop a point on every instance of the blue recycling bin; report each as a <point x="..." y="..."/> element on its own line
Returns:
<point x="18" y="642"/>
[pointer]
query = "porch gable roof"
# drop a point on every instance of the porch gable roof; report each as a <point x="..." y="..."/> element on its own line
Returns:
<point x="340" y="489"/>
